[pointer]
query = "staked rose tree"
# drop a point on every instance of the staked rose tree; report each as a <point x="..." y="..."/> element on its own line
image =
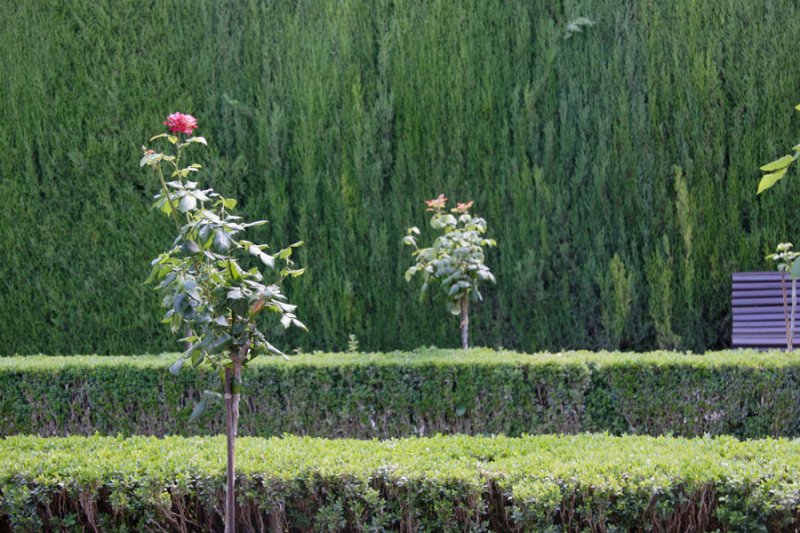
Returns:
<point x="205" y="288"/>
<point x="787" y="260"/>
<point x="456" y="259"/>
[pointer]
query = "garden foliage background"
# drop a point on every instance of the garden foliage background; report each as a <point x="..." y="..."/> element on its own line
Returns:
<point x="617" y="169"/>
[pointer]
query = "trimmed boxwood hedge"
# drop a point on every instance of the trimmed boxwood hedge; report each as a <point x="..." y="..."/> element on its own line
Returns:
<point x="441" y="484"/>
<point x="742" y="393"/>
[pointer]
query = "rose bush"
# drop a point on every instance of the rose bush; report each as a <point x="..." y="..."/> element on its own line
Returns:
<point x="456" y="259"/>
<point x="203" y="284"/>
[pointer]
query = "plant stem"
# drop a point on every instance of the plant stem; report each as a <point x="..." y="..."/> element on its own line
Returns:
<point x="232" y="397"/>
<point x="173" y="210"/>
<point x="794" y="306"/>
<point x="464" y="322"/>
<point x="230" y="497"/>
<point x="785" y="310"/>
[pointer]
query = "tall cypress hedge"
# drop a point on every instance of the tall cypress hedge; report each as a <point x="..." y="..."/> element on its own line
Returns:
<point x="616" y="168"/>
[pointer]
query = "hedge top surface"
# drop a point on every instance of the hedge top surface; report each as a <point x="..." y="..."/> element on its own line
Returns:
<point x="434" y="356"/>
<point x="604" y="462"/>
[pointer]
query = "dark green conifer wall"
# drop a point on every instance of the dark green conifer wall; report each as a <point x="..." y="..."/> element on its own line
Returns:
<point x="617" y="169"/>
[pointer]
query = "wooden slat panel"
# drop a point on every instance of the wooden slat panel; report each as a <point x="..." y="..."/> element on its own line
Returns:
<point x="778" y="336"/>
<point x="757" y="276"/>
<point x="761" y="320"/>
<point x="761" y="293"/>
<point x="765" y="326"/>
<point x="757" y="301"/>
<point x="758" y="310"/>
<point x="758" y="313"/>
<point x="756" y="285"/>
<point x="778" y="330"/>
<point x="759" y="340"/>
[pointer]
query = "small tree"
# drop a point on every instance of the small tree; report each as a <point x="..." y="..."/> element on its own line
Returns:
<point x="456" y="259"/>
<point x="785" y="258"/>
<point x="204" y="286"/>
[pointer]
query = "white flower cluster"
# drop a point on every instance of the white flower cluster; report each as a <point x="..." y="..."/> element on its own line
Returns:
<point x="784" y="256"/>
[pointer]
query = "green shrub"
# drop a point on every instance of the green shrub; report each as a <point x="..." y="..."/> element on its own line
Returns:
<point x="479" y="391"/>
<point x="440" y="484"/>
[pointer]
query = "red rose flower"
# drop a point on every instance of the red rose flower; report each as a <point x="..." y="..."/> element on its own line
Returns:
<point x="180" y="123"/>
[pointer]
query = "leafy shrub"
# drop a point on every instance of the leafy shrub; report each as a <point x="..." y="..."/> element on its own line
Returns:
<point x="455" y="261"/>
<point x="477" y="391"/>
<point x="472" y="484"/>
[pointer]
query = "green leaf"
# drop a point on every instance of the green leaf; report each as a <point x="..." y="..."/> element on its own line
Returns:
<point x="200" y="195"/>
<point x="460" y="411"/>
<point x="200" y="140"/>
<point x="168" y="316"/>
<point x="176" y="366"/>
<point x="195" y="295"/>
<point x="236" y="272"/>
<point x="795" y="272"/>
<point x="158" y="136"/>
<point x="172" y="138"/>
<point x="187" y="203"/>
<point x="240" y="325"/>
<point x="222" y="241"/>
<point x="299" y="324"/>
<point x="230" y="203"/>
<point x="152" y="275"/>
<point x="769" y="180"/>
<point x="241" y="308"/>
<point x="253" y="224"/>
<point x="778" y="164"/>
<point x="265" y="258"/>
<point x="199" y="409"/>
<point x="190" y="248"/>
<point x="273" y="349"/>
<point x="222" y="321"/>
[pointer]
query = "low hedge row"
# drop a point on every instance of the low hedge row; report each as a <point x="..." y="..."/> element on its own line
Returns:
<point x="743" y="393"/>
<point x="445" y="483"/>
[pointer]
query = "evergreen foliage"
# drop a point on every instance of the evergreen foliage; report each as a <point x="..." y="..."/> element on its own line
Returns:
<point x="617" y="168"/>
